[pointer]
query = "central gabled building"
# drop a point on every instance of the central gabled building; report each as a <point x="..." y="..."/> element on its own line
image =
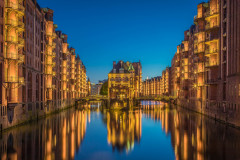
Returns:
<point x="125" y="80"/>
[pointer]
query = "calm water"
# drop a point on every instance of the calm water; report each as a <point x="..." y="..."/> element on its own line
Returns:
<point x="156" y="131"/>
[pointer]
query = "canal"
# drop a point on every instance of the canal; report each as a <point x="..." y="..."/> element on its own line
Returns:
<point x="152" y="131"/>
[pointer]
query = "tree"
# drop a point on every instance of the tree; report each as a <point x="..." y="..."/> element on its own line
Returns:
<point x="104" y="89"/>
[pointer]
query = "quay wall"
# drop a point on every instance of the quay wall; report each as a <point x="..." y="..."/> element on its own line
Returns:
<point x="23" y="113"/>
<point x="212" y="109"/>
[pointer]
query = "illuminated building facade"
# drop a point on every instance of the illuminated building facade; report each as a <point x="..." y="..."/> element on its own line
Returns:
<point x="158" y="86"/>
<point x="38" y="69"/>
<point x="125" y="80"/>
<point x="151" y="86"/>
<point x="205" y="68"/>
<point x="89" y="87"/>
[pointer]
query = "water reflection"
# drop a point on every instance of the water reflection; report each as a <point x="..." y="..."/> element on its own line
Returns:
<point x="57" y="137"/>
<point x="123" y="128"/>
<point x="194" y="136"/>
<point x="80" y="131"/>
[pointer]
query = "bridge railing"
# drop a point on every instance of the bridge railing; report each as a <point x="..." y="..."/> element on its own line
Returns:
<point x="96" y="97"/>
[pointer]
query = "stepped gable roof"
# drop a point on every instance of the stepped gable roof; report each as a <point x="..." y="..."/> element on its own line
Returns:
<point x="125" y="66"/>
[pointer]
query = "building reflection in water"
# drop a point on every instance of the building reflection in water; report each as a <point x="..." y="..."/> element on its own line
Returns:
<point x="124" y="128"/>
<point x="60" y="136"/>
<point x="194" y="136"/>
<point x="57" y="137"/>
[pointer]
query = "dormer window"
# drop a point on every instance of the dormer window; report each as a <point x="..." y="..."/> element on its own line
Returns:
<point x="121" y="70"/>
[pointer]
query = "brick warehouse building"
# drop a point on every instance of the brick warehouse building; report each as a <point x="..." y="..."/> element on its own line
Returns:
<point x="39" y="72"/>
<point x="204" y="73"/>
<point x="205" y="68"/>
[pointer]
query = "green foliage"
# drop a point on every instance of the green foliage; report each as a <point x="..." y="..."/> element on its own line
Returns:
<point x="104" y="89"/>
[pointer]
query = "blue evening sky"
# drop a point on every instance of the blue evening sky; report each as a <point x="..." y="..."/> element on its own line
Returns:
<point x="103" y="31"/>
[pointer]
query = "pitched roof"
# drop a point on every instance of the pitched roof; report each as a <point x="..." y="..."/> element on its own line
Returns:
<point x="125" y="66"/>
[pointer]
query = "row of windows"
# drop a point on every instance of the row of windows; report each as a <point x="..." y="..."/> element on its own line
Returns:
<point x="118" y="79"/>
<point x="1" y="29"/>
<point x="30" y="11"/>
<point x="1" y="11"/>
<point x="1" y="47"/>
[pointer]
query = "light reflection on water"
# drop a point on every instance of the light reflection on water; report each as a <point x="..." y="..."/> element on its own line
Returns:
<point x="155" y="130"/>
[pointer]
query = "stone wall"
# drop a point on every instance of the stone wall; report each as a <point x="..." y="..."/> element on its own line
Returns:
<point x="24" y="113"/>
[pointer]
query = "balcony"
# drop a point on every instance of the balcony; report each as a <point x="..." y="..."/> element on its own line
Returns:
<point x="12" y="56"/>
<point x="210" y="52"/>
<point x="21" y="9"/>
<point x="14" y="79"/>
<point x="200" y="84"/>
<point x="185" y="62"/>
<point x="21" y="25"/>
<point x="199" y="51"/>
<point x="11" y="22"/>
<point x="15" y="6"/>
<point x="49" y="86"/>
<point x="49" y="34"/>
<point x="212" y="38"/>
<point x="15" y="56"/>
<point x="21" y="42"/>
<point x="51" y="44"/>
<point x="197" y="18"/>
<point x="73" y="62"/>
<point x="15" y="23"/>
<point x="199" y="70"/>
<point x="12" y="39"/>
<point x="209" y="27"/>
<point x="48" y="72"/>
<point x="212" y="13"/>
<point x="49" y="53"/>
<point x="21" y="58"/>
<point x="64" y="77"/>
<point x="11" y="5"/>
<point x="211" y="64"/>
<point x="196" y="41"/>
<point x="54" y="35"/>
<point x="49" y="62"/>
<point x="53" y="54"/>
<point x="21" y="80"/>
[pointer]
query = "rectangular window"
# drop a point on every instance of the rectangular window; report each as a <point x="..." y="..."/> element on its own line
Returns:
<point x="238" y="89"/>
<point x="1" y="29"/>
<point x="1" y="47"/>
<point x="1" y="83"/>
<point x="2" y="12"/>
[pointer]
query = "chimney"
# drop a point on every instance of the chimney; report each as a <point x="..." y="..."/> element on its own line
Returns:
<point x="114" y="64"/>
